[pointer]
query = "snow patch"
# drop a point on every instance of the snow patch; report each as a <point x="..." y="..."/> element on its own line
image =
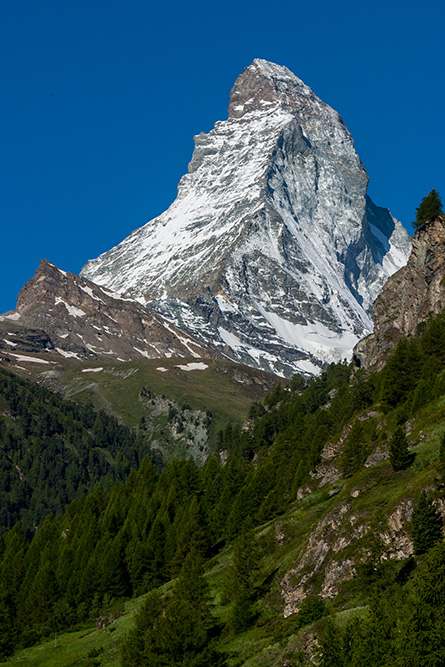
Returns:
<point x="92" y="370"/>
<point x="230" y="339"/>
<point x="75" y="312"/>
<point x="314" y="338"/>
<point x="12" y="316"/>
<point x="90" y="292"/>
<point x="193" y="366"/>
<point x="23" y="357"/>
<point x="225" y="305"/>
<point x="67" y="354"/>
<point x="143" y="352"/>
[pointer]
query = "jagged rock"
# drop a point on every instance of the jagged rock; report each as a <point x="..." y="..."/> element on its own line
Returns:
<point x="409" y="297"/>
<point x="303" y="491"/>
<point x="17" y="338"/>
<point x="380" y="454"/>
<point x="324" y="540"/>
<point x="397" y="541"/>
<point x="58" y="311"/>
<point x="330" y="539"/>
<point x="326" y="473"/>
<point x="272" y="251"/>
<point x="336" y="574"/>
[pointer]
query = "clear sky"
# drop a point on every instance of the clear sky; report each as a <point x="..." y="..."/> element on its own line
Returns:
<point x="100" y="100"/>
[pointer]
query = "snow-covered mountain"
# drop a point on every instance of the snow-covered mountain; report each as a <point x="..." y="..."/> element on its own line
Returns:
<point x="272" y="250"/>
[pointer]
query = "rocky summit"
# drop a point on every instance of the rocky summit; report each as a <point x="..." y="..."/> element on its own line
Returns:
<point x="272" y="251"/>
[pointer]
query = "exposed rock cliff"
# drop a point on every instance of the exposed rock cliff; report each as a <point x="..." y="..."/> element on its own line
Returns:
<point x="409" y="297"/>
<point x="60" y="312"/>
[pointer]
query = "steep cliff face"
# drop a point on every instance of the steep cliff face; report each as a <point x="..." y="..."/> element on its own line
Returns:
<point x="272" y="251"/>
<point x="409" y="297"/>
<point x="60" y="312"/>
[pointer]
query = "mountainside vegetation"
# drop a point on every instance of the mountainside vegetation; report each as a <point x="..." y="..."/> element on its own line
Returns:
<point x="315" y="534"/>
<point x="52" y="451"/>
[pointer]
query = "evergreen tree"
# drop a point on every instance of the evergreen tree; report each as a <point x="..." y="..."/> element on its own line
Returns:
<point x="399" y="456"/>
<point x="400" y="374"/>
<point x="426" y="525"/>
<point x="429" y="208"/>
<point x="241" y="578"/>
<point x="354" y="450"/>
<point x="178" y="632"/>
<point x="133" y="648"/>
<point x="330" y="648"/>
<point x="422" y="637"/>
<point x="192" y="535"/>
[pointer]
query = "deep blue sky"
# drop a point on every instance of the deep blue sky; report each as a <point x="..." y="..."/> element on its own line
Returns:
<point x="100" y="101"/>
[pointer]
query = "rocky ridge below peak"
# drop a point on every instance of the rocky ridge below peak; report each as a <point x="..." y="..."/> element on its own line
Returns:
<point x="60" y="312"/>
<point x="410" y="296"/>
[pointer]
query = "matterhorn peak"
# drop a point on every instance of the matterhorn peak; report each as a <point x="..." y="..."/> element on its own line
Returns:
<point x="272" y="250"/>
<point x="266" y="86"/>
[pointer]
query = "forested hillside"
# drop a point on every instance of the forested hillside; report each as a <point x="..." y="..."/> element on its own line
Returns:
<point x="52" y="451"/>
<point x="248" y="523"/>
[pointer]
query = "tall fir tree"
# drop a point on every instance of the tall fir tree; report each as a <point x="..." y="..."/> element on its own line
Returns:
<point x="422" y="633"/>
<point x="399" y="455"/>
<point x="178" y="632"/>
<point x="426" y="525"/>
<point x="241" y="578"/>
<point x="354" y="450"/>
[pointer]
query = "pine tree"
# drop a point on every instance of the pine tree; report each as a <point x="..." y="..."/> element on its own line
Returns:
<point x="422" y="639"/>
<point x="178" y="632"/>
<point x="426" y="525"/>
<point x="429" y="208"/>
<point x="354" y="450"/>
<point x="330" y="648"/>
<point x="133" y="648"/>
<point x="399" y="456"/>
<point x="192" y="535"/>
<point x="241" y="578"/>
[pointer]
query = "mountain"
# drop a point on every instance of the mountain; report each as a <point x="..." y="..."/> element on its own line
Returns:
<point x="411" y="296"/>
<point x="272" y="251"/>
<point x="60" y="312"/>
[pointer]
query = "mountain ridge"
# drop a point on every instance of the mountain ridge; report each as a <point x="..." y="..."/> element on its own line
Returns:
<point x="78" y="319"/>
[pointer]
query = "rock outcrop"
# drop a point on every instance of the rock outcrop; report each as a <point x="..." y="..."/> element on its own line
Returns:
<point x="409" y="297"/>
<point x="60" y="312"/>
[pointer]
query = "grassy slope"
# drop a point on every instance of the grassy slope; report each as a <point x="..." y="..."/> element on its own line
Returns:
<point x="225" y="388"/>
<point x="270" y="641"/>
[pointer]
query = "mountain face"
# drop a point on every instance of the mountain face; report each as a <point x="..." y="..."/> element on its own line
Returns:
<point x="409" y="297"/>
<point x="272" y="251"/>
<point x="62" y="313"/>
